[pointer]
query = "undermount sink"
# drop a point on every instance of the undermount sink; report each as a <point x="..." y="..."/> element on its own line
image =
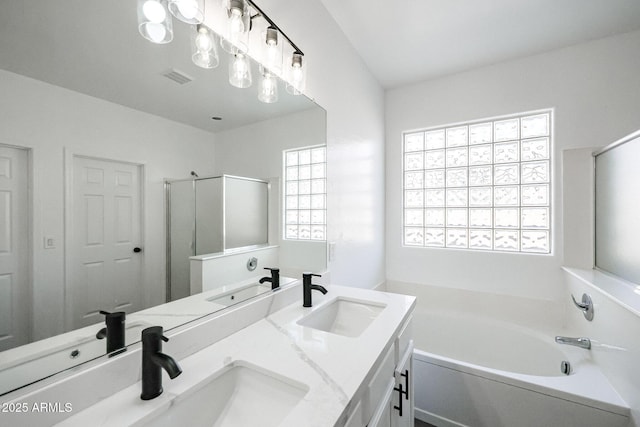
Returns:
<point x="239" y="395"/>
<point x="343" y="317"/>
<point x="240" y="294"/>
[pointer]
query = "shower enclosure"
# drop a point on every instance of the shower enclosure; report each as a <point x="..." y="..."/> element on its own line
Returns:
<point x="211" y="215"/>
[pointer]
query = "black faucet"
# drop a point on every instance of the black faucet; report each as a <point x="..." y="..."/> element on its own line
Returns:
<point x="274" y="279"/>
<point x="152" y="360"/>
<point x="307" y="287"/>
<point x="114" y="331"/>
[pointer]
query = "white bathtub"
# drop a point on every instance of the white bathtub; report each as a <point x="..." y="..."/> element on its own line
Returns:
<point x="471" y="370"/>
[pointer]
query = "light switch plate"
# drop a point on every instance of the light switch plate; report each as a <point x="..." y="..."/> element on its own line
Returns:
<point x="332" y="251"/>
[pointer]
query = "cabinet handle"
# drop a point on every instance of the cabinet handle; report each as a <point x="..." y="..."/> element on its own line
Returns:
<point x="400" y="393"/>
<point x="406" y="383"/>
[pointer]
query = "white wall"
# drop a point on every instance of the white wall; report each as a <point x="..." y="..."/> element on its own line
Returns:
<point x="49" y="119"/>
<point x="209" y="273"/>
<point x="594" y="88"/>
<point x="339" y="81"/>
<point x="255" y="151"/>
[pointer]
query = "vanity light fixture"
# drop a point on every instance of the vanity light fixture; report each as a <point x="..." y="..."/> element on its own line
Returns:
<point x="204" y="52"/>
<point x="240" y="71"/>
<point x="232" y="24"/>
<point x="188" y="11"/>
<point x="268" y="92"/>
<point x="295" y="74"/>
<point x="154" y="22"/>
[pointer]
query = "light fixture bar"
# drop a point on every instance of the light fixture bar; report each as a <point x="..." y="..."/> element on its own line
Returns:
<point x="273" y="24"/>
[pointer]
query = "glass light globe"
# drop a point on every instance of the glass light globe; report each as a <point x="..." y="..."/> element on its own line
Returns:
<point x="235" y="38"/>
<point x="203" y="40"/>
<point x="296" y="74"/>
<point x="154" y="11"/>
<point x="154" y="23"/>
<point x="240" y="71"/>
<point x="156" y="32"/>
<point x="203" y="47"/>
<point x="188" y="11"/>
<point x="188" y="8"/>
<point x="268" y="88"/>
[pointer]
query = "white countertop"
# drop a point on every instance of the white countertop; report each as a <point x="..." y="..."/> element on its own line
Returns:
<point x="333" y="367"/>
<point x="31" y="362"/>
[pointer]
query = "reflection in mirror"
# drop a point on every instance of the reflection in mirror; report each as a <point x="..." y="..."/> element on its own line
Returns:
<point x="94" y="120"/>
<point x="212" y="215"/>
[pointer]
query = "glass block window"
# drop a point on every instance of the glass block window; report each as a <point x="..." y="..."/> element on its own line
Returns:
<point x="481" y="185"/>
<point x="305" y="193"/>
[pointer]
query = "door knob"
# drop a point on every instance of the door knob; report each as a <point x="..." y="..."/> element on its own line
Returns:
<point x="136" y="250"/>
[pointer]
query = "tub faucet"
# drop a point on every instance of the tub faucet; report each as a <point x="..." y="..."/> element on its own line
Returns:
<point x="114" y="330"/>
<point x="307" y="287"/>
<point x="274" y="279"/>
<point x="586" y="306"/>
<point x="578" y="342"/>
<point x="152" y="362"/>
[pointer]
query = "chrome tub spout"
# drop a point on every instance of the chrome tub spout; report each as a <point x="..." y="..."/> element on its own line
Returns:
<point x="578" y="342"/>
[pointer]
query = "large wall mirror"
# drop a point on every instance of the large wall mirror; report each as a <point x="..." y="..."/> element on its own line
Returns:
<point x="94" y="121"/>
<point x="617" y="231"/>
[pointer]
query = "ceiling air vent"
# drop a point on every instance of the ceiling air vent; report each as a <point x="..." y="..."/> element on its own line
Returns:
<point x="178" y="77"/>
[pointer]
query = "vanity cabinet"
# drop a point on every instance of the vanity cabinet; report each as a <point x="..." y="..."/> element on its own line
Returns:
<point x="388" y="400"/>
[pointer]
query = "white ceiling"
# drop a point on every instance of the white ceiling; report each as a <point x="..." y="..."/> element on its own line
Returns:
<point x="93" y="47"/>
<point x="406" y="41"/>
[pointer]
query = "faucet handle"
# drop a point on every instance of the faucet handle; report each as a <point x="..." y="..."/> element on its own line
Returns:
<point x="273" y="270"/>
<point x="154" y="331"/>
<point x="310" y="274"/>
<point x="586" y="306"/>
<point x="116" y="314"/>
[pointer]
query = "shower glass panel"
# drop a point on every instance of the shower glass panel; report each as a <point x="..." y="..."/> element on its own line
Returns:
<point x="211" y="215"/>
<point x="180" y="235"/>
<point x="246" y="219"/>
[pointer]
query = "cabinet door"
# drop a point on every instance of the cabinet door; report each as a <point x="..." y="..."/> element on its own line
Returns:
<point x="382" y="415"/>
<point x="402" y="399"/>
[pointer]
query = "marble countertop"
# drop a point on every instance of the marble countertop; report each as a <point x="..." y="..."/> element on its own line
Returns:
<point x="332" y="367"/>
<point x="31" y="362"/>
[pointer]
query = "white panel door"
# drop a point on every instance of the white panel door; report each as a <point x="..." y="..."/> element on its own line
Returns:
<point x="106" y="229"/>
<point x="15" y="306"/>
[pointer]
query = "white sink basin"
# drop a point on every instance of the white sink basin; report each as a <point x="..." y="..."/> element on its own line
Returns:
<point x="343" y="317"/>
<point x="239" y="395"/>
<point x="240" y="294"/>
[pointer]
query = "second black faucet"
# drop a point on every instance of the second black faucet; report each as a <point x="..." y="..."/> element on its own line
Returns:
<point x="307" y="287"/>
<point x="274" y="279"/>
<point x="114" y="331"/>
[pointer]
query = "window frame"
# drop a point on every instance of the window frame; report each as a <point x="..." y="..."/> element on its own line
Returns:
<point x="550" y="225"/>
